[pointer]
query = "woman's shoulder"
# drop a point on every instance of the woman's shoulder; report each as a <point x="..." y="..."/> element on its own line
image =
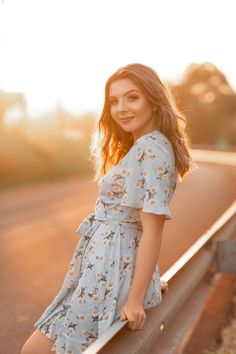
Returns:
<point x="154" y="141"/>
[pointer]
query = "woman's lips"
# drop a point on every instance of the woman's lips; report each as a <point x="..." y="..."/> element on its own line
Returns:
<point x="126" y="120"/>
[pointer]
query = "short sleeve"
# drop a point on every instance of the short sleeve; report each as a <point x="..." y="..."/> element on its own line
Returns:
<point x="150" y="178"/>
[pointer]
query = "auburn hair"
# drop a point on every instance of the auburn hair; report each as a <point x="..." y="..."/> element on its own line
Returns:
<point x="109" y="142"/>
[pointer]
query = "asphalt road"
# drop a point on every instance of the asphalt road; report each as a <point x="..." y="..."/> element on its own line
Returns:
<point x="38" y="237"/>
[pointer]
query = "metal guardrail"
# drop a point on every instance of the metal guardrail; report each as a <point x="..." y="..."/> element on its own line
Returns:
<point x="201" y="242"/>
<point x="218" y="157"/>
<point x="183" y="278"/>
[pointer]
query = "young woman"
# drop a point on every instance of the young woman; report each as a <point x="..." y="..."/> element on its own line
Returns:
<point x="113" y="273"/>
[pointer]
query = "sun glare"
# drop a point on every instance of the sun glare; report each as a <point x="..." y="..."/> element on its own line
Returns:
<point x="63" y="51"/>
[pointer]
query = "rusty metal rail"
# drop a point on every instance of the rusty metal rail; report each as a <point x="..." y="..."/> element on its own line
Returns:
<point x="188" y="278"/>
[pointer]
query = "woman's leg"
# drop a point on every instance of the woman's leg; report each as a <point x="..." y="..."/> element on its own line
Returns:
<point x="37" y="343"/>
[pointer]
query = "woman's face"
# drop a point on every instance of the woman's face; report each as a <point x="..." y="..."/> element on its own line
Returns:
<point x="130" y="108"/>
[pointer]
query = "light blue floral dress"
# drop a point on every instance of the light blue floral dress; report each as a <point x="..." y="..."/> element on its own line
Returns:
<point x="102" y="266"/>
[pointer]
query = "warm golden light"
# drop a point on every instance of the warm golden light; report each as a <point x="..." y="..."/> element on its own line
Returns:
<point x="64" y="51"/>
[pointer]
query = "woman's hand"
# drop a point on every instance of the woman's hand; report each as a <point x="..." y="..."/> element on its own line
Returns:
<point x="164" y="287"/>
<point x="135" y="314"/>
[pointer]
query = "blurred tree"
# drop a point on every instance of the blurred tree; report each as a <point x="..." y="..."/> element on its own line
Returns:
<point x="66" y="120"/>
<point x="10" y="100"/>
<point x="209" y="104"/>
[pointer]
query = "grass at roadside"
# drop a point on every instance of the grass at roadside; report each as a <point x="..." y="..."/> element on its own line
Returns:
<point x="26" y="159"/>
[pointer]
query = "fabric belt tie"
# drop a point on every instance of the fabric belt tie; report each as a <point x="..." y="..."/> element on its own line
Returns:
<point x="90" y="223"/>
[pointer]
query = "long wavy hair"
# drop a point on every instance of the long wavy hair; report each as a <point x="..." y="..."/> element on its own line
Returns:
<point x="110" y="143"/>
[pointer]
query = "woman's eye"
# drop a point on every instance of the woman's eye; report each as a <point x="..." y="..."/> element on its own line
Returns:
<point x="130" y="98"/>
<point x="133" y="98"/>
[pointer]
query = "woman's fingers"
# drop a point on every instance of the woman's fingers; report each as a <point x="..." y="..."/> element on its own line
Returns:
<point x="164" y="287"/>
<point x="141" y="317"/>
<point x="142" y="323"/>
<point x="135" y="325"/>
<point x="129" y="316"/>
<point x="123" y="316"/>
<point x="136" y="320"/>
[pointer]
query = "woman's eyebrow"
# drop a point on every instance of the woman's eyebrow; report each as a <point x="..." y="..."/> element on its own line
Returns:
<point x="133" y="90"/>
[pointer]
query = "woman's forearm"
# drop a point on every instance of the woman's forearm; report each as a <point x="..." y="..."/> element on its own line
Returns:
<point x="146" y="261"/>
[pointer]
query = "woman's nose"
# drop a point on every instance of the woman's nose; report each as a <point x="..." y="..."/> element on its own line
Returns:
<point x="122" y="106"/>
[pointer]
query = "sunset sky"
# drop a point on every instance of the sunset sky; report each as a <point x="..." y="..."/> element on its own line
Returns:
<point x="64" y="50"/>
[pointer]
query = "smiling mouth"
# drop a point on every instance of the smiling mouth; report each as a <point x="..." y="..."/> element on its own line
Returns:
<point x="123" y="120"/>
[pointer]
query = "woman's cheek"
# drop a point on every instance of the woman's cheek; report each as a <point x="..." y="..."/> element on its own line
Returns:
<point x="113" y="112"/>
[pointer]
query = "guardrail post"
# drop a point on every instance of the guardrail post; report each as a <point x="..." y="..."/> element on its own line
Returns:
<point x="226" y="256"/>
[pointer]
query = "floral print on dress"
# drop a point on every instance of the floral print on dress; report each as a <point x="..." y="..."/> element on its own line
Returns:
<point x="152" y="176"/>
<point x="102" y="266"/>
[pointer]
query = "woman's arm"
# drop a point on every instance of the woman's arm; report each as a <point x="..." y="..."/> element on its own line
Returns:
<point x="147" y="254"/>
<point x="146" y="261"/>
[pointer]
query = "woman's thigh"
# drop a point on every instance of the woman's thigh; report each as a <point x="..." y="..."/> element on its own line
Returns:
<point x="37" y="343"/>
